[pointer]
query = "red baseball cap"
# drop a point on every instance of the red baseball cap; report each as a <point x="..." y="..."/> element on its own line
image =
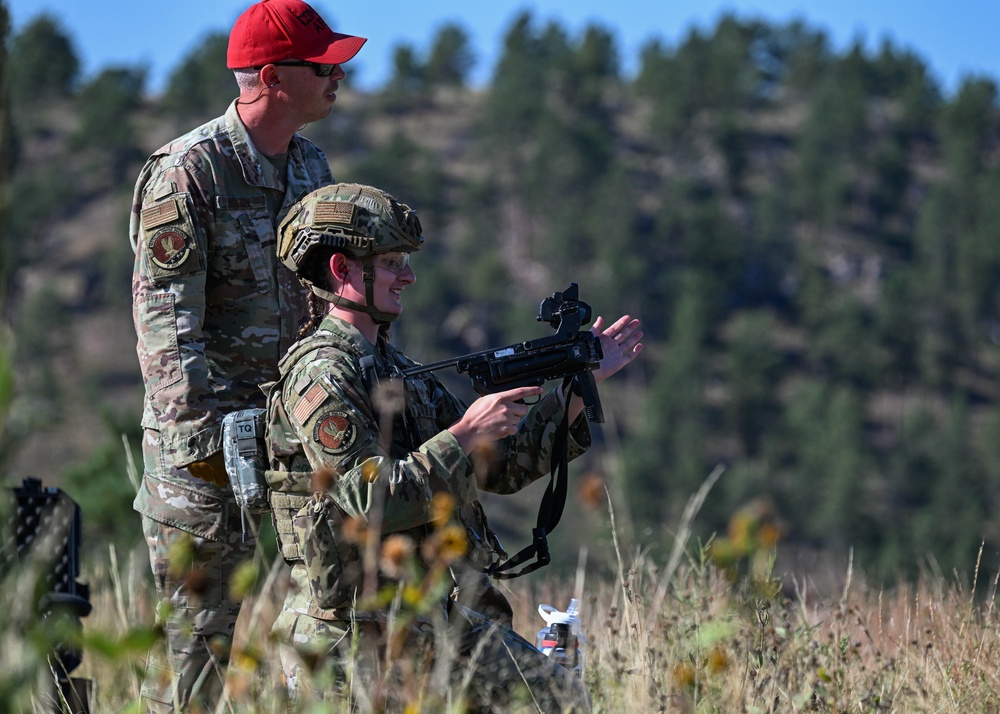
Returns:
<point x="276" y="30"/>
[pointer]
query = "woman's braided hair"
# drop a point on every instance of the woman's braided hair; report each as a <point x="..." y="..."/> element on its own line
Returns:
<point x="317" y="311"/>
<point x="316" y="269"/>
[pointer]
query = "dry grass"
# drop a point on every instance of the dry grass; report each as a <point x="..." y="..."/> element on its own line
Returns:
<point x="702" y="633"/>
<point x="713" y="645"/>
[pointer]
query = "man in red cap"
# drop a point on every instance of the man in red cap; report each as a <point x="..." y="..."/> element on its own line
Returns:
<point x="214" y="310"/>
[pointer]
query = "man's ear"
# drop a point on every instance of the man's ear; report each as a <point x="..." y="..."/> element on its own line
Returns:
<point x="269" y="76"/>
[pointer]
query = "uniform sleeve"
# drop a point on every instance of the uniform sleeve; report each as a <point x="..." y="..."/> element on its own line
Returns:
<point x="168" y="308"/>
<point x="331" y="413"/>
<point x="526" y="456"/>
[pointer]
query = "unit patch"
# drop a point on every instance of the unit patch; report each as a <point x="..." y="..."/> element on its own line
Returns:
<point x="335" y="432"/>
<point x="169" y="248"/>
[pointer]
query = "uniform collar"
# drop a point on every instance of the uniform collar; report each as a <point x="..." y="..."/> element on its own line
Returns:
<point x="348" y="333"/>
<point x="257" y="170"/>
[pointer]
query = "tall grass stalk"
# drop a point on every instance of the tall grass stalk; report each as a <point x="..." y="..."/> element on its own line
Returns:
<point x="699" y="635"/>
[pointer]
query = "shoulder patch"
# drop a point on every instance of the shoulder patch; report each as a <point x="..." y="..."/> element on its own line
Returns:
<point x="160" y="214"/>
<point x="169" y="248"/>
<point x="309" y="403"/>
<point x="335" y="432"/>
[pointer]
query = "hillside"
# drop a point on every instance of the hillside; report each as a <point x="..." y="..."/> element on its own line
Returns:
<point x="809" y="238"/>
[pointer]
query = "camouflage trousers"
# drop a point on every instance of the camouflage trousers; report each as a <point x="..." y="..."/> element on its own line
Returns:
<point x="186" y="671"/>
<point x="464" y="661"/>
<point x="193" y="530"/>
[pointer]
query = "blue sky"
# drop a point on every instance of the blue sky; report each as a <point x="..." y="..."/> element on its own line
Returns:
<point x="955" y="39"/>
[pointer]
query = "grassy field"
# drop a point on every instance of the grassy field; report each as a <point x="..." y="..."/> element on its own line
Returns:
<point x="711" y="630"/>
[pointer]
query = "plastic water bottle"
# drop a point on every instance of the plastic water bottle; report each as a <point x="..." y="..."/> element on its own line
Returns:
<point x="561" y="638"/>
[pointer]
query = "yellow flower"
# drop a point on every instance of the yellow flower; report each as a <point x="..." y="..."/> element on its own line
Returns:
<point x="370" y="470"/>
<point x="723" y="552"/>
<point x="684" y="675"/>
<point x="246" y="660"/>
<point x="412" y="596"/>
<point x="442" y="506"/>
<point x="717" y="661"/>
<point x="446" y="545"/>
<point x="768" y="535"/>
<point x="739" y="530"/>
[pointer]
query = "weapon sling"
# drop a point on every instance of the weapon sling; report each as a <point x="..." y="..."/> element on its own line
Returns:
<point x="551" y="508"/>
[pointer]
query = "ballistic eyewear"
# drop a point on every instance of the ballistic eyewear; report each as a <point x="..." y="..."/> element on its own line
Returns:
<point x="393" y="262"/>
<point x="321" y="70"/>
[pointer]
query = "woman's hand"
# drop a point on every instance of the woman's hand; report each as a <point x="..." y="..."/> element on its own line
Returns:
<point x="620" y="343"/>
<point x="493" y="417"/>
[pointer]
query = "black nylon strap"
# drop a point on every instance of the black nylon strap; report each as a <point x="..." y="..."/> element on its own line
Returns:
<point x="551" y="508"/>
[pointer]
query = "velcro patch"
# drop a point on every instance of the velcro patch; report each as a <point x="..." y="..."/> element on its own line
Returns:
<point x="160" y="214"/>
<point x="309" y="403"/>
<point x="335" y="212"/>
<point x="335" y="432"/>
<point x="235" y="203"/>
<point x="169" y="248"/>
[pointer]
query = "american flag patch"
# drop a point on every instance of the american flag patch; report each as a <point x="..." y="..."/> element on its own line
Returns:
<point x="159" y="214"/>
<point x="309" y="403"/>
<point x="335" y="212"/>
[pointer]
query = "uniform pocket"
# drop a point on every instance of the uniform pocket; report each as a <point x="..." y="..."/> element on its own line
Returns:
<point x="420" y="406"/>
<point x="202" y="512"/>
<point x="159" y="355"/>
<point x="244" y="255"/>
<point x="254" y="243"/>
<point x="332" y="565"/>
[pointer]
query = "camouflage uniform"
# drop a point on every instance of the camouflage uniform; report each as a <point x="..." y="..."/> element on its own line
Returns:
<point x="214" y="311"/>
<point x="332" y="410"/>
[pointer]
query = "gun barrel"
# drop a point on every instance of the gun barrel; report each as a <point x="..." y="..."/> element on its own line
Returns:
<point x="529" y="365"/>
<point x="431" y="367"/>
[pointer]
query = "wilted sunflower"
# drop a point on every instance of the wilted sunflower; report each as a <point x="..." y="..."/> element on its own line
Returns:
<point x="355" y="530"/>
<point x="591" y="490"/>
<point x="446" y="545"/>
<point x="397" y="551"/>
<point x="323" y="479"/>
<point x="442" y="506"/>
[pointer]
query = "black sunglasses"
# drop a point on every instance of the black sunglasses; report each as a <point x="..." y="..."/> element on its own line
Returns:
<point x="321" y="70"/>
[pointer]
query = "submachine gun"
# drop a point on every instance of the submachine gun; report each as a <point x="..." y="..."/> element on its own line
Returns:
<point x="571" y="354"/>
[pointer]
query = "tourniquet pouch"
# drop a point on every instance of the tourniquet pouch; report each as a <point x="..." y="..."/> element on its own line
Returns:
<point x="332" y="564"/>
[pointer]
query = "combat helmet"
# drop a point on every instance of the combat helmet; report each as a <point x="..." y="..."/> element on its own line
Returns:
<point x="361" y="221"/>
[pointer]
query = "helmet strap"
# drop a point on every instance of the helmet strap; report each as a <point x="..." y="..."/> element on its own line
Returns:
<point x="368" y="275"/>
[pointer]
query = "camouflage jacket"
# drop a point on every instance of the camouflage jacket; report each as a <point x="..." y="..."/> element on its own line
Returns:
<point x="213" y="308"/>
<point x="330" y="411"/>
